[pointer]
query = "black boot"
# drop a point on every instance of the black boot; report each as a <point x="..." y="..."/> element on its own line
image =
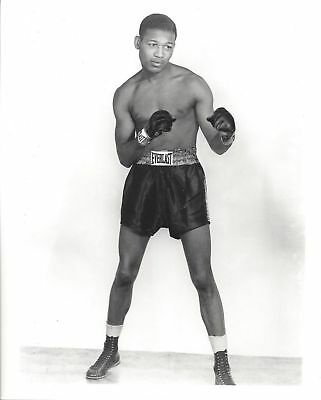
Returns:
<point x="222" y="369"/>
<point x="109" y="358"/>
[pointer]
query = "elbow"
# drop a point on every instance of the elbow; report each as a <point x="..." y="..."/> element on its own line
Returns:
<point x="123" y="159"/>
<point x="125" y="163"/>
<point x="217" y="147"/>
<point x="219" y="150"/>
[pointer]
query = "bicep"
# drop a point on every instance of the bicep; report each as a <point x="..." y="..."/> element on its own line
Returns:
<point x="203" y="110"/>
<point x="125" y="126"/>
<point x="203" y="103"/>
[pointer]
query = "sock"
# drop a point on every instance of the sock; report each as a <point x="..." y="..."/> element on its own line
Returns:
<point x="218" y="343"/>
<point x="113" y="330"/>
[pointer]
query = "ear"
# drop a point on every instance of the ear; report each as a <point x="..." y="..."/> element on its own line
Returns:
<point x="137" y="42"/>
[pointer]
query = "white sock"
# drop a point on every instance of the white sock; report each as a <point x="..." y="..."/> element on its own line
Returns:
<point x="113" y="330"/>
<point x="218" y="343"/>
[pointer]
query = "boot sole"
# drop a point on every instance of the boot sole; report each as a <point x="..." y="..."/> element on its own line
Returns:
<point x="96" y="378"/>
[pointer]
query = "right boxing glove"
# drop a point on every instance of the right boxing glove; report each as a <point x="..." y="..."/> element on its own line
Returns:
<point x="161" y="121"/>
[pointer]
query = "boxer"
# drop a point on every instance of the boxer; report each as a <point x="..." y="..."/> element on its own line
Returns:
<point x="158" y="113"/>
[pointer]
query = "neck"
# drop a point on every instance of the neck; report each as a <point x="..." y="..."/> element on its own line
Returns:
<point x="156" y="76"/>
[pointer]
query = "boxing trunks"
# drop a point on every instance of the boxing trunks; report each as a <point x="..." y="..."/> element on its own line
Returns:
<point x="165" y="189"/>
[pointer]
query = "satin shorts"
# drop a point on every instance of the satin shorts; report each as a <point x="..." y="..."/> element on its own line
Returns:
<point x="172" y="197"/>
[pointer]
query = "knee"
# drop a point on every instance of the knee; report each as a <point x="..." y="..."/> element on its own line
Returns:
<point x="204" y="282"/>
<point x="125" y="275"/>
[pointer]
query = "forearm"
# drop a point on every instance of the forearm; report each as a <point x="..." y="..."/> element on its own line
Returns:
<point x="218" y="145"/>
<point x="129" y="152"/>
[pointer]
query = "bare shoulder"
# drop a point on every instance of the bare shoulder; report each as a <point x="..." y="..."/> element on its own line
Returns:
<point x="124" y="92"/>
<point x="198" y="85"/>
<point x="192" y="81"/>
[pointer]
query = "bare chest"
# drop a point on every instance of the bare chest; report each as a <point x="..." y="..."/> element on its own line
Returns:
<point x="173" y="97"/>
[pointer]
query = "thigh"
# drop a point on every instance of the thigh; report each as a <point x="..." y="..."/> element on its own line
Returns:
<point x="197" y="249"/>
<point x="131" y="249"/>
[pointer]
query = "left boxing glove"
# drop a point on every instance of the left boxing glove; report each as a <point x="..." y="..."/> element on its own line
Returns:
<point x="223" y="121"/>
<point x="160" y="121"/>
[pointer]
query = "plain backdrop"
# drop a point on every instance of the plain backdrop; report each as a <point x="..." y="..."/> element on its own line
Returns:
<point x="62" y="61"/>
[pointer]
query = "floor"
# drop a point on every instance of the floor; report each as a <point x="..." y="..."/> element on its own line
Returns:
<point x="44" y="371"/>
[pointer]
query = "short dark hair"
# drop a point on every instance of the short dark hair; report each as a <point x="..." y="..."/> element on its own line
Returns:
<point x="157" y="21"/>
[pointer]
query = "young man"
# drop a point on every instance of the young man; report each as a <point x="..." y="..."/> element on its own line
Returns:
<point x="158" y="113"/>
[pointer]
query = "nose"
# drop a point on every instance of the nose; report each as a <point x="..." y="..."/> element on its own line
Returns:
<point x="159" y="52"/>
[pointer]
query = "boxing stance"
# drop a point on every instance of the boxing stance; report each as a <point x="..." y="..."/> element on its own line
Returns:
<point x="158" y="114"/>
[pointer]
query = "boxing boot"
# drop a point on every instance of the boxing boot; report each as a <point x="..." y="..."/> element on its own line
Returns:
<point x="108" y="358"/>
<point x="222" y="369"/>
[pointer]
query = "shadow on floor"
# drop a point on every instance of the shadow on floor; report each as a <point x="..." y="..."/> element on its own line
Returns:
<point x="60" y="366"/>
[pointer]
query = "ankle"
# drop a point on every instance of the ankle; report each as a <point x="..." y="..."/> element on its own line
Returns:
<point x="218" y="343"/>
<point x="111" y="343"/>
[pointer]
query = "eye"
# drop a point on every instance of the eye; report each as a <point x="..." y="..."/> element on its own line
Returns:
<point x="169" y="47"/>
<point x="152" y="44"/>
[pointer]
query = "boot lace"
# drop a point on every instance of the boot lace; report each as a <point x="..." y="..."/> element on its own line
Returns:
<point x="110" y="348"/>
<point x="222" y="367"/>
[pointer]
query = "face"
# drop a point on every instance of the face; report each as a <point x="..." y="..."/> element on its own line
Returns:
<point x="155" y="49"/>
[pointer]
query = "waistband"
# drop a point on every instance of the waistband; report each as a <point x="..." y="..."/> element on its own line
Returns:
<point x="168" y="158"/>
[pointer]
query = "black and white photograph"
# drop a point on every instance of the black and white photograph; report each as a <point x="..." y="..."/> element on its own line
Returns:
<point x="154" y="226"/>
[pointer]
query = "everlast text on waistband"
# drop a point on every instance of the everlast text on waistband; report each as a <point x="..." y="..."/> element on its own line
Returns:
<point x="161" y="158"/>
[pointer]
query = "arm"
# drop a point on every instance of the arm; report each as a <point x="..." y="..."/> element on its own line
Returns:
<point x="204" y="109"/>
<point x="128" y="149"/>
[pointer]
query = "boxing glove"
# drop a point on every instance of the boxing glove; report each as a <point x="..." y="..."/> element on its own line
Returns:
<point x="223" y="121"/>
<point x="160" y="121"/>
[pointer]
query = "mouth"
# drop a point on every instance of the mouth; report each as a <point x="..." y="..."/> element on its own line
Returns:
<point x="156" y="63"/>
